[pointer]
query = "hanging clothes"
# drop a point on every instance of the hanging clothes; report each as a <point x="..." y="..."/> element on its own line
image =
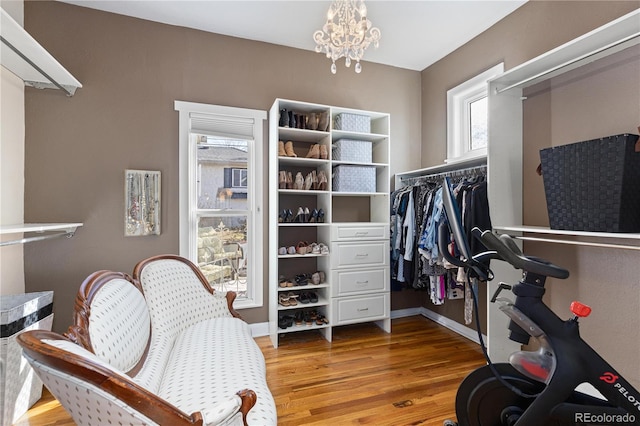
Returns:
<point x="416" y="214"/>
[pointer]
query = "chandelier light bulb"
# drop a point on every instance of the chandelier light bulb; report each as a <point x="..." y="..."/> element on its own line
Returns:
<point x="347" y="33"/>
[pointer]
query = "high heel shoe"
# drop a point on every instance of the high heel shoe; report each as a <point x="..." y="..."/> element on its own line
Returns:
<point x="320" y="218"/>
<point x="322" y="181"/>
<point x="299" y="182"/>
<point x="282" y="180"/>
<point x="324" y="153"/>
<point x="306" y="214"/>
<point x="282" y="217"/>
<point x="314" y="151"/>
<point x="289" y="180"/>
<point x="288" y="149"/>
<point x="314" y="180"/>
<point x="281" y="151"/>
<point x="307" y="182"/>
<point x="313" y="217"/>
<point x="299" y="218"/>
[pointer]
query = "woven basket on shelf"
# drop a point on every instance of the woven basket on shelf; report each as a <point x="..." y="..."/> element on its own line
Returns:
<point x="593" y="185"/>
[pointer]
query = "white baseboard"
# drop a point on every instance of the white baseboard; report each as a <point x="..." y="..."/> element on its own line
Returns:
<point x="462" y="330"/>
<point x="262" y="328"/>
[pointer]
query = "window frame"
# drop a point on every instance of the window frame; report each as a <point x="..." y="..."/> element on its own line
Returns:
<point x="188" y="197"/>
<point x="459" y="100"/>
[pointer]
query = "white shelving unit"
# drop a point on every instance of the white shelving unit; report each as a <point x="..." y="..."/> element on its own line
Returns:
<point x="355" y="227"/>
<point x="505" y="148"/>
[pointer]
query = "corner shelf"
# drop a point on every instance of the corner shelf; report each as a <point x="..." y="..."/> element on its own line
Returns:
<point x="49" y="230"/>
<point x="517" y="231"/>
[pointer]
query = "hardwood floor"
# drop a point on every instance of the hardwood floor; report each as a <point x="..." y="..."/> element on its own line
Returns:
<point x="365" y="376"/>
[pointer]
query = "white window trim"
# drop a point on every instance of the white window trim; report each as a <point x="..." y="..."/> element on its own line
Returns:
<point x="458" y="100"/>
<point x="187" y="168"/>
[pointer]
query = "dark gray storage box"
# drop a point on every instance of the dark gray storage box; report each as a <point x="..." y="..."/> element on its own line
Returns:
<point x="593" y="185"/>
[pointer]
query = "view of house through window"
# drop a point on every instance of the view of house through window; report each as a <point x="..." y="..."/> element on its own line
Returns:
<point x="221" y="202"/>
<point x="222" y="211"/>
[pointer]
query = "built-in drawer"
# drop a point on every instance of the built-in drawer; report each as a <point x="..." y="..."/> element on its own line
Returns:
<point x="352" y="282"/>
<point x="356" y="254"/>
<point x="359" y="231"/>
<point x="349" y="310"/>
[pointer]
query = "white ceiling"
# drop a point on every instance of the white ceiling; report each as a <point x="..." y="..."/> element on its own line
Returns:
<point x="415" y="34"/>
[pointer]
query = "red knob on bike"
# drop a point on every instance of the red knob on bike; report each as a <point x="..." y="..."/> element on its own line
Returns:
<point x="579" y="309"/>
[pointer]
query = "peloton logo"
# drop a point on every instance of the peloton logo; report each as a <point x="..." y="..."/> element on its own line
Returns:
<point x="612" y="379"/>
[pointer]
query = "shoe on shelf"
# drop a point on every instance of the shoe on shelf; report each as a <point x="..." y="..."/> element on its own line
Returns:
<point x="298" y="317"/>
<point x="314" y="151"/>
<point x="283" y="300"/>
<point x="323" y="121"/>
<point x="284" y="118"/>
<point x="304" y="298"/>
<point x="285" y="321"/>
<point x="314" y="180"/>
<point x="299" y="182"/>
<point x="292" y="120"/>
<point x="308" y="182"/>
<point x="322" y="180"/>
<point x="288" y="149"/>
<point x="324" y="153"/>
<point x="291" y="250"/>
<point x="299" y="217"/>
<point x="313" y="297"/>
<point x="281" y="151"/>
<point x="282" y="250"/>
<point x="282" y="179"/>
<point x="320" y="218"/>
<point x="321" y="320"/>
<point x="301" y="280"/>
<point x="323" y="248"/>
<point x="301" y="248"/>
<point x="312" y="121"/>
<point x="291" y="296"/>
<point x="315" y="277"/>
<point x="313" y="216"/>
<point x="289" y="180"/>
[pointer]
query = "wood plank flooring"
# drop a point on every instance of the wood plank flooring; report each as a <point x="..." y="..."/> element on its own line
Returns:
<point x="365" y="376"/>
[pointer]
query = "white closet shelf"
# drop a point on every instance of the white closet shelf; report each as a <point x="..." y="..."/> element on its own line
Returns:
<point x="631" y="240"/>
<point x="48" y="231"/>
<point x="25" y="57"/>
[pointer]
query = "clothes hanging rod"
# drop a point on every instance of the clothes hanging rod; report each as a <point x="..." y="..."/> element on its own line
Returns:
<point x="36" y="67"/>
<point x="451" y="173"/>
<point x="568" y="63"/>
<point x="37" y="238"/>
<point x="578" y="243"/>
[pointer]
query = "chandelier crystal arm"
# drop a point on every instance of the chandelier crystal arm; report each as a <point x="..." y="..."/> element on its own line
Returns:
<point x="347" y="33"/>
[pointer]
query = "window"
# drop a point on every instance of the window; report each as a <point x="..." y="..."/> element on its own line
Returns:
<point x="467" y="117"/>
<point x="221" y="196"/>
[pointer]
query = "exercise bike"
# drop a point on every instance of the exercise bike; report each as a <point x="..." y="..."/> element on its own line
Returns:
<point x="534" y="388"/>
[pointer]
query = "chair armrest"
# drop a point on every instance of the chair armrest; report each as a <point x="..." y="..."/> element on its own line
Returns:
<point x="231" y="412"/>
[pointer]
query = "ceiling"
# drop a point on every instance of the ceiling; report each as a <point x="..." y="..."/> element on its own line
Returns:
<point x="415" y="34"/>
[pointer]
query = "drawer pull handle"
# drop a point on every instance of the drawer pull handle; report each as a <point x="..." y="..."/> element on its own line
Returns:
<point x="362" y="254"/>
<point x="362" y="233"/>
<point x="363" y="309"/>
<point x="362" y="282"/>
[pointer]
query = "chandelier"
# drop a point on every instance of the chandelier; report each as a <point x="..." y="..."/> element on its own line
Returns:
<point x="347" y="33"/>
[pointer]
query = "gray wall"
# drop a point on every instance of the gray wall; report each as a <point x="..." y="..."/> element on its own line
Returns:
<point x="606" y="103"/>
<point x="133" y="70"/>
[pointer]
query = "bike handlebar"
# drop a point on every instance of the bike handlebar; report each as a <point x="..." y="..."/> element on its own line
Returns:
<point x="508" y="251"/>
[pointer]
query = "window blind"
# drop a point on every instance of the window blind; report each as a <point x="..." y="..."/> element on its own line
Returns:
<point x="223" y="126"/>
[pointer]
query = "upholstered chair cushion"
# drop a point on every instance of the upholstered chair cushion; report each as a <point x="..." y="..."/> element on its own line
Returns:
<point x="119" y="325"/>
<point x="222" y="358"/>
<point x="176" y="297"/>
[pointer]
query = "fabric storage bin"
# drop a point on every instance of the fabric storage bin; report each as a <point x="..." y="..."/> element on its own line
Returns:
<point x="593" y="185"/>
<point x="20" y="387"/>
<point x="352" y="123"/>
<point x="352" y="150"/>
<point x="347" y="178"/>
